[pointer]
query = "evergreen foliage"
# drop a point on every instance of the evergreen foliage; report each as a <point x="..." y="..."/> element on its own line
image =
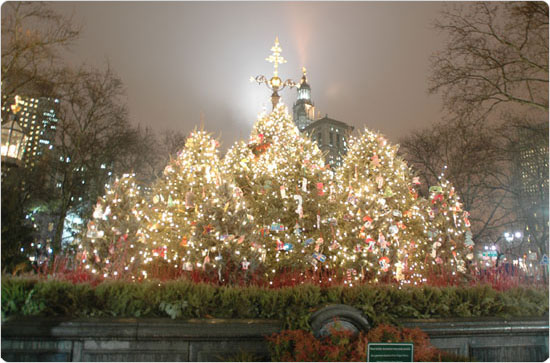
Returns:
<point x="113" y="244"/>
<point x="272" y="206"/>
<point x="292" y="305"/>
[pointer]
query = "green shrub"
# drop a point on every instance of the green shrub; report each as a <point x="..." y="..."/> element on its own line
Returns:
<point x="293" y="306"/>
<point x="342" y="346"/>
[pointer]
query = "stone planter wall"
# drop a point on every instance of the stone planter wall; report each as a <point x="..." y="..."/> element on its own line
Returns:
<point x="134" y="339"/>
<point x="489" y="339"/>
<point x="40" y="339"/>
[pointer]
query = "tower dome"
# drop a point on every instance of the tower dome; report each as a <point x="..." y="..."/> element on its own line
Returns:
<point x="303" y="109"/>
<point x="304" y="90"/>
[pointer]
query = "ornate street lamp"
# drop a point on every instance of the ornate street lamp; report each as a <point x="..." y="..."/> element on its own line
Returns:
<point x="275" y="83"/>
<point x="13" y="136"/>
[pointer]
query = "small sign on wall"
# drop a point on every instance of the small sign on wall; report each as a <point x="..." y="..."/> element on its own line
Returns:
<point x="390" y="352"/>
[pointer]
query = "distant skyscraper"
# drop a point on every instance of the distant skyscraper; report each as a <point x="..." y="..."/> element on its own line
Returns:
<point x="331" y="135"/>
<point x="37" y="117"/>
<point x="532" y="167"/>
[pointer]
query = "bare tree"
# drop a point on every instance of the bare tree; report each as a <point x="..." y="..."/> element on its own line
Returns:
<point x="172" y="143"/>
<point x="33" y="37"/>
<point x="93" y="136"/>
<point x="469" y="155"/>
<point x="143" y="157"/>
<point x="497" y="54"/>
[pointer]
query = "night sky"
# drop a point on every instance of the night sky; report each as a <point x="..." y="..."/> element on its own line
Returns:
<point x="367" y="62"/>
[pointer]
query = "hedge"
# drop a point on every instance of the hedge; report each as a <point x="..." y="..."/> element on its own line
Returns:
<point x="292" y="305"/>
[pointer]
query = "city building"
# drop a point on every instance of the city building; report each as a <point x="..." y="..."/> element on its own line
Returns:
<point x="331" y="135"/>
<point x="531" y="170"/>
<point x="37" y="118"/>
<point x="532" y="162"/>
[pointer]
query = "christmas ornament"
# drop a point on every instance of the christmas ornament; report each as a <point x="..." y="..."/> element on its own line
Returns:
<point x="379" y="181"/>
<point x="368" y="221"/>
<point x="304" y="185"/>
<point x="297" y="229"/>
<point x="276" y="227"/>
<point x="98" y="211"/>
<point x="308" y="241"/>
<point x="283" y="192"/>
<point x="288" y="247"/>
<point x="383" y="243"/>
<point x="318" y="244"/>
<point x="237" y="192"/>
<point x="468" y="242"/>
<point x="384" y="262"/>
<point x="351" y="272"/>
<point x="370" y="244"/>
<point x="352" y="199"/>
<point x="320" y="190"/>
<point x="436" y="189"/>
<point x="319" y="257"/>
<point x="465" y="216"/>
<point x="437" y="198"/>
<point x="435" y="246"/>
<point x="331" y="197"/>
<point x="299" y="209"/>
<point x="334" y="246"/>
<point x="93" y="232"/>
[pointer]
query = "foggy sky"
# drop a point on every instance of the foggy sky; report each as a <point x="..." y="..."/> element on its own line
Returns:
<point x="367" y="62"/>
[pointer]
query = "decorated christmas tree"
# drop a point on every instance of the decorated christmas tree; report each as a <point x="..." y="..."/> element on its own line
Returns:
<point x="112" y="245"/>
<point x="196" y="219"/>
<point x="288" y="191"/>
<point x="385" y="227"/>
<point x="382" y="218"/>
<point x="449" y="233"/>
<point x="273" y="206"/>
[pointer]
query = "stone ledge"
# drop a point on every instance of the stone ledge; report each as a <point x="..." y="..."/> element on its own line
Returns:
<point x="146" y="328"/>
<point x="481" y="326"/>
<point x="162" y="339"/>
